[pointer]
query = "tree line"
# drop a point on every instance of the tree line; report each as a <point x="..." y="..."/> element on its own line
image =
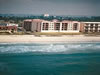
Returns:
<point x="18" y="19"/>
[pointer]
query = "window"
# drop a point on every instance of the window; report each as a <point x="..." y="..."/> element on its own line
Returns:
<point x="91" y="25"/>
<point x="64" y="26"/>
<point x="96" y="25"/>
<point x="87" y="24"/>
<point x="45" y="26"/>
<point x="86" y="30"/>
<point x="91" y="30"/>
<point x="75" y="26"/>
<point x="57" y="26"/>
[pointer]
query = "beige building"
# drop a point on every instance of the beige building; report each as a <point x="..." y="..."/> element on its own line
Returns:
<point x="91" y="26"/>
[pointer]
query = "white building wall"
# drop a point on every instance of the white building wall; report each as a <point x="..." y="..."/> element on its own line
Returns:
<point x="51" y="26"/>
<point x="60" y="26"/>
<point x="12" y="24"/>
<point x="69" y="28"/>
<point x="41" y="26"/>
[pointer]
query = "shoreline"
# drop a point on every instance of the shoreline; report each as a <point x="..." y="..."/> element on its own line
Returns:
<point x="49" y="39"/>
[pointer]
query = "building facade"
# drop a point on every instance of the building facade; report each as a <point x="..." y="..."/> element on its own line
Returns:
<point x="91" y="27"/>
<point x="64" y="26"/>
<point x="37" y="25"/>
<point x="27" y="24"/>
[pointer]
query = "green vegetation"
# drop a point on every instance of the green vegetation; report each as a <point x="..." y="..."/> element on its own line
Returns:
<point x="19" y="18"/>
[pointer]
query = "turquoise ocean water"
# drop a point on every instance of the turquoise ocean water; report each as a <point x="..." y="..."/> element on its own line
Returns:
<point x="50" y="59"/>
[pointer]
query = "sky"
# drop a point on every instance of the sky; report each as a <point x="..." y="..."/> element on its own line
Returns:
<point x="52" y="7"/>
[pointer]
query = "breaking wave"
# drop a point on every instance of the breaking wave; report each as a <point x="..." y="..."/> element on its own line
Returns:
<point x="50" y="48"/>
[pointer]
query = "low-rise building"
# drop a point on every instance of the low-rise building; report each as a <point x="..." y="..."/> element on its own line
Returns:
<point x="8" y="27"/>
<point x="38" y="25"/>
<point x="64" y="26"/>
<point x="91" y="26"/>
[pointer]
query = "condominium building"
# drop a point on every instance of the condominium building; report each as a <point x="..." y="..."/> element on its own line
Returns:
<point x="38" y="25"/>
<point x="27" y="24"/>
<point x="33" y="25"/>
<point x="64" y="26"/>
<point x="91" y="26"/>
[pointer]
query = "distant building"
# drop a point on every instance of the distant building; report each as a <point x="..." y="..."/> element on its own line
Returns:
<point x="8" y="27"/>
<point x="46" y="15"/>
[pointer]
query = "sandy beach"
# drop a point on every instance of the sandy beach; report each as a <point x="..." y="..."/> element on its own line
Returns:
<point x="50" y="39"/>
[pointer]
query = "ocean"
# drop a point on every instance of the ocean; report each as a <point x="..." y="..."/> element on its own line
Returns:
<point x="50" y="59"/>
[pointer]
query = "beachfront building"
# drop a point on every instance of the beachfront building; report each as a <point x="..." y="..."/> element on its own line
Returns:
<point x="91" y="27"/>
<point x="38" y="25"/>
<point x="8" y="27"/>
<point x="33" y="25"/>
<point x="56" y="26"/>
<point x="27" y="24"/>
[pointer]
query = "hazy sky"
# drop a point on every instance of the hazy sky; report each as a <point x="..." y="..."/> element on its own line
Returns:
<point x="53" y="7"/>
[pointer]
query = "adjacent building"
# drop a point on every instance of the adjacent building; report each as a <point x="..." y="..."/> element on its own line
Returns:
<point x="91" y="27"/>
<point x="33" y="25"/>
<point x="8" y="27"/>
<point x="27" y="24"/>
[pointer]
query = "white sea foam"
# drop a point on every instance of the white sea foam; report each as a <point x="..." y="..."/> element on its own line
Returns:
<point x="49" y="48"/>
